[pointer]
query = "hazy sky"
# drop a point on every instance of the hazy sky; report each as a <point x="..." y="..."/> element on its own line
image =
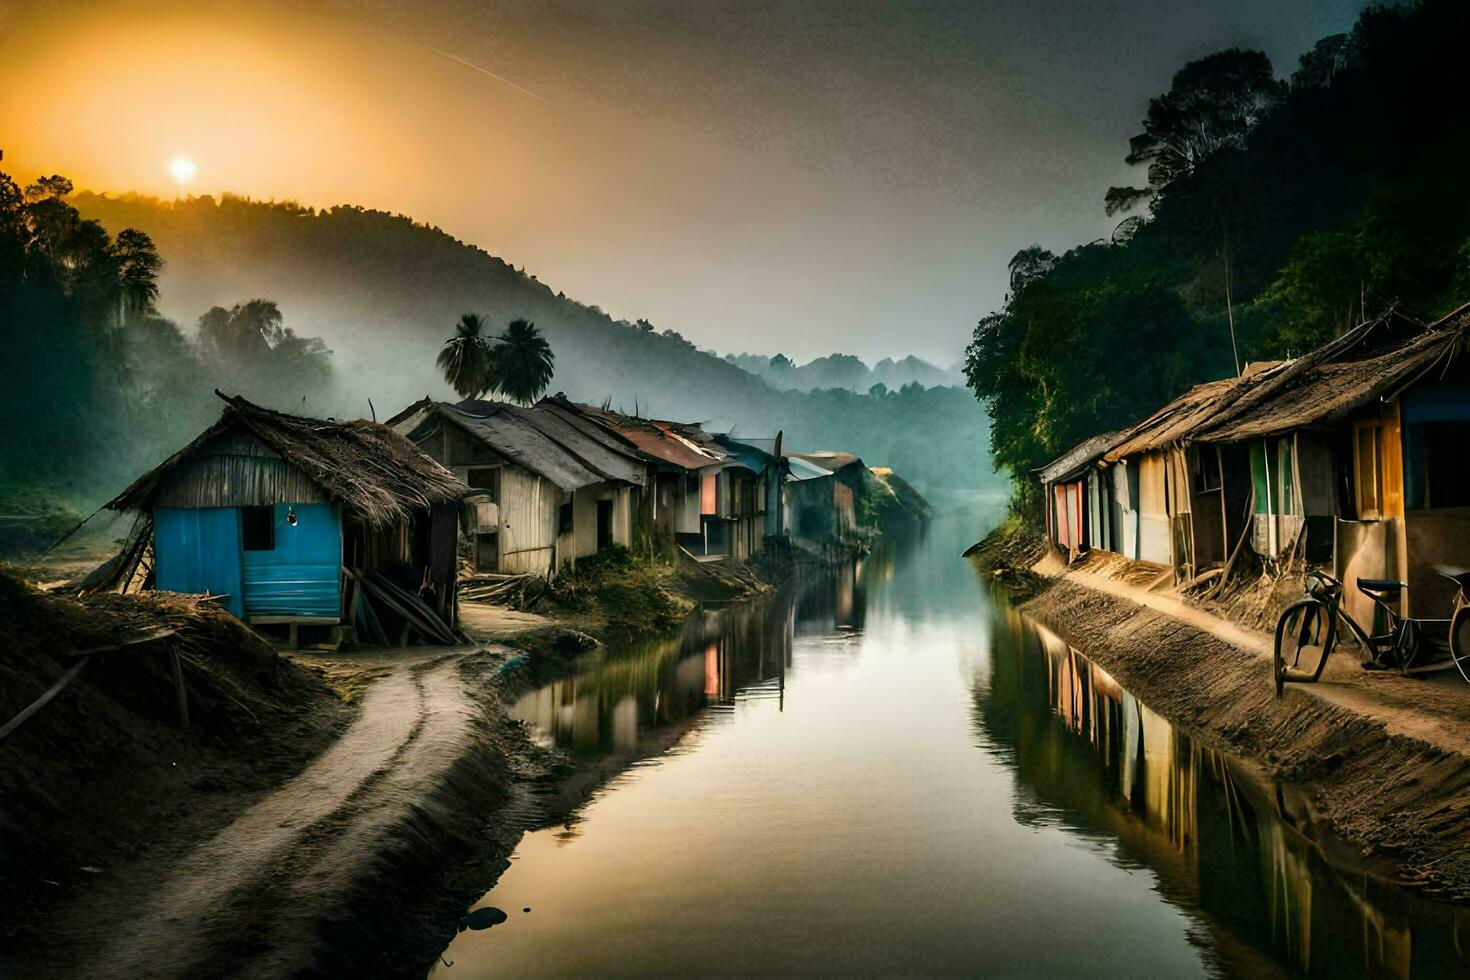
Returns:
<point x="804" y="176"/>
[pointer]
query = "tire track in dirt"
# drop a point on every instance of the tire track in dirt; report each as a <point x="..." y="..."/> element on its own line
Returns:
<point x="247" y="901"/>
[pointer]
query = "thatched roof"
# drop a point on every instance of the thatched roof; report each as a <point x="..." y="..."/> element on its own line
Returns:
<point x="1370" y="360"/>
<point x="1325" y="393"/>
<point x="372" y="471"/>
<point x="1374" y="359"/>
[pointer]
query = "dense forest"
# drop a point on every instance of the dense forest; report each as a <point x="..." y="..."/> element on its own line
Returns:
<point x="1272" y="214"/>
<point x="96" y="380"/>
<point x="122" y="314"/>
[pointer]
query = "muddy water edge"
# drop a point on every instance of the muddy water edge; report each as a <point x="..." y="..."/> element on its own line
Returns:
<point x="886" y="769"/>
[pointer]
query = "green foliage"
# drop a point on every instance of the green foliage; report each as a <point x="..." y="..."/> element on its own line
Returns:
<point x="1319" y="293"/>
<point x="100" y="385"/>
<point x="468" y="365"/>
<point x="629" y="593"/>
<point x="523" y="362"/>
<point x="1293" y="211"/>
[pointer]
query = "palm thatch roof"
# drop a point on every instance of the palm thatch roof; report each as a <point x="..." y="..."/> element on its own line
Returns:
<point x="372" y="471"/>
<point x="1325" y="393"/>
<point x="1374" y="358"/>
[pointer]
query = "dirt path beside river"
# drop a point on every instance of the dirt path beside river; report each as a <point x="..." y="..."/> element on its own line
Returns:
<point x="260" y="884"/>
<point x="1394" y="781"/>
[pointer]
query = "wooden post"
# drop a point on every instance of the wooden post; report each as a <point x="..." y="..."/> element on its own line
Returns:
<point x="183" y="692"/>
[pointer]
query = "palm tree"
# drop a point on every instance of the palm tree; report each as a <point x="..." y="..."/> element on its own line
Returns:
<point x="468" y="363"/>
<point x="523" y="360"/>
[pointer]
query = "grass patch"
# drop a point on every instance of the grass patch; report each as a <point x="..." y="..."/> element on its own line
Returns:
<point x="630" y="595"/>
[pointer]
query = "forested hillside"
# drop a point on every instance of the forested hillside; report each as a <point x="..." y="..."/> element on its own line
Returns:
<point x="322" y="311"/>
<point x="1273" y="211"/>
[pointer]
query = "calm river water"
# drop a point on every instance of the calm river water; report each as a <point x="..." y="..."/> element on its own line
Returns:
<point x="886" y="771"/>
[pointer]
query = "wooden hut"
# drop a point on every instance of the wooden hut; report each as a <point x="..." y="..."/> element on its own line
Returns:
<point x="752" y="494"/>
<point x="1076" y="520"/>
<point x="848" y="485"/>
<point x="809" y="506"/>
<point x="1367" y="456"/>
<point x="286" y="517"/>
<point x="543" y="492"/>
<point x="677" y="466"/>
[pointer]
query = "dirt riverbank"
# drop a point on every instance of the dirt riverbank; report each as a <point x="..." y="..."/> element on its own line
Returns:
<point x="1384" y="760"/>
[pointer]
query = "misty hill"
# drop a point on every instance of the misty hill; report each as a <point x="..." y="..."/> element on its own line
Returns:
<point x="844" y="371"/>
<point x="384" y="293"/>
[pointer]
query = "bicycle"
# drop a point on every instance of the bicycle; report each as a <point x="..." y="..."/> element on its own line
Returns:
<point x="1309" y="627"/>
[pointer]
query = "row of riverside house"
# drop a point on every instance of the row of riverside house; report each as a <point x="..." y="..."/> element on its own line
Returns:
<point x="1354" y="457"/>
<point x="359" y="530"/>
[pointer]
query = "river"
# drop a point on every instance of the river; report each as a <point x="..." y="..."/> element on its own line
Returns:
<point x="885" y="770"/>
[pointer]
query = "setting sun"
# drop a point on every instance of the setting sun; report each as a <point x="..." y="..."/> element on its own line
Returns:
<point x="183" y="169"/>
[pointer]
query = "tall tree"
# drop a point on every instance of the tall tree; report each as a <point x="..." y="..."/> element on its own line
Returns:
<point x="1212" y="104"/>
<point x="137" y="263"/>
<point x="523" y="360"/>
<point x="466" y="359"/>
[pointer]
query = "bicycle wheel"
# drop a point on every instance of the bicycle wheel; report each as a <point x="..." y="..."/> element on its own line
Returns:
<point x="1460" y="640"/>
<point x="1302" y="634"/>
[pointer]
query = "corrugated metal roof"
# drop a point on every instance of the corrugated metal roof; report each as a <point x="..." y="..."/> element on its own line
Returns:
<point x="798" y="469"/>
<point x="1079" y="457"/>
<point x="656" y="439"/>
<point x="600" y="453"/>
<point x="751" y="457"/>
<point x="827" y="459"/>
<point x="504" y="429"/>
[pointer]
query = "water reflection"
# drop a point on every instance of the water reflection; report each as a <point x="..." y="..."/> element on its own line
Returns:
<point x="879" y="771"/>
<point x="1241" y="851"/>
<point x="621" y="698"/>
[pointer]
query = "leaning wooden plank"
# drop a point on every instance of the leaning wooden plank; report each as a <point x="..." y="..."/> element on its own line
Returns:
<point x="436" y="627"/>
<point x="44" y="699"/>
<point x="412" y="617"/>
<point x="139" y="641"/>
<point x="376" y="632"/>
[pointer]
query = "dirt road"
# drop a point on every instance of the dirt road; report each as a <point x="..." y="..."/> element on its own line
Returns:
<point x="249" y="900"/>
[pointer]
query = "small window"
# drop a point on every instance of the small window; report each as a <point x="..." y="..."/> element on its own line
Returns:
<point x="486" y="479"/>
<point x="1206" y="469"/>
<point x="258" y="528"/>
<point x="487" y="552"/>
<point x="566" y="519"/>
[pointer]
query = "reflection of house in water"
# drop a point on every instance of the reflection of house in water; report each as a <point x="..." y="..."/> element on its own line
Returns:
<point x="833" y="597"/>
<point x="630" y="702"/>
<point x="1238" y="851"/>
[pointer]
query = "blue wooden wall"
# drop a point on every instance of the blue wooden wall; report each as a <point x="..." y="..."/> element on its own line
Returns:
<point x="303" y="575"/>
<point x="199" y="550"/>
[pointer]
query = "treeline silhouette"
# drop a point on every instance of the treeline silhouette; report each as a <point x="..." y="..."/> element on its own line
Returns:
<point x="845" y="371"/>
<point x="1272" y="214"/>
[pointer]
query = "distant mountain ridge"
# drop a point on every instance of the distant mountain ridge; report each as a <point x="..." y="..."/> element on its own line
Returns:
<point x="385" y="292"/>
<point x="845" y="371"/>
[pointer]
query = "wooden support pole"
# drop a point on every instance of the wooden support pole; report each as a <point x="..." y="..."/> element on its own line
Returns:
<point x="181" y="690"/>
